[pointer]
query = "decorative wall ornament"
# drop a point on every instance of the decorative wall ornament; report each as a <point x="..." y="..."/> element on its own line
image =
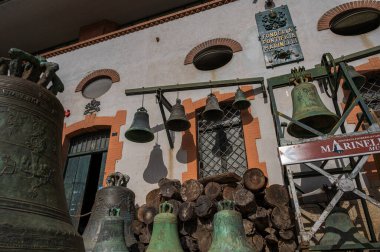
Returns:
<point x="278" y="37"/>
<point x="92" y="107"/>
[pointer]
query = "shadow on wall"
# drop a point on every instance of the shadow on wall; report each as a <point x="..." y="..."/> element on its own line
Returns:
<point x="186" y="153"/>
<point x="156" y="168"/>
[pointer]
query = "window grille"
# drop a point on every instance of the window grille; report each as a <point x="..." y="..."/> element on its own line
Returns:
<point x="371" y="91"/>
<point x="89" y="143"/>
<point x="221" y="145"/>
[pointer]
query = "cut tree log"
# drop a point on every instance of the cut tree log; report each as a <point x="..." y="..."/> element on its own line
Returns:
<point x="204" y="207"/>
<point x="204" y="241"/>
<point x="140" y="212"/>
<point x="175" y="204"/>
<point x="186" y="211"/>
<point x="282" y="217"/>
<point x="249" y="227"/>
<point x="229" y="190"/>
<point x="254" y="179"/>
<point x="257" y="242"/>
<point x="287" y="246"/>
<point x="169" y="190"/>
<point x="276" y="195"/>
<point x="261" y="219"/>
<point x="225" y="178"/>
<point x="174" y="182"/>
<point x="244" y="200"/>
<point x="191" y="190"/>
<point x="286" y="234"/>
<point x="153" y="198"/>
<point x="188" y="227"/>
<point x="213" y="190"/>
<point x="145" y="235"/>
<point x="148" y="215"/>
<point x="137" y="226"/>
<point x="189" y="244"/>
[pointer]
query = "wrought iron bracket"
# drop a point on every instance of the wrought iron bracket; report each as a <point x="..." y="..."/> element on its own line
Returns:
<point x="163" y="102"/>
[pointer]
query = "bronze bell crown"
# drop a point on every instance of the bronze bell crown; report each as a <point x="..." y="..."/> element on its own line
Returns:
<point x="309" y="109"/>
<point x="358" y="79"/>
<point x="140" y="131"/>
<point x="177" y="120"/>
<point x="212" y="110"/>
<point x="241" y="101"/>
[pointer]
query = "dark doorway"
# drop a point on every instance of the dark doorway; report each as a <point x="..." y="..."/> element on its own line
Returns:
<point x="84" y="174"/>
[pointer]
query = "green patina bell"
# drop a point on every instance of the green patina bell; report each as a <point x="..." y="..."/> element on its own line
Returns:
<point x="165" y="236"/>
<point x="309" y="109"/>
<point x="140" y="131"/>
<point x="228" y="234"/>
<point x="241" y="101"/>
<point x="111" y="234"/>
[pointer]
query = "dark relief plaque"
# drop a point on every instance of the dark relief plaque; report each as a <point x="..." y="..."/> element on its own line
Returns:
<point x="278" y="37"/>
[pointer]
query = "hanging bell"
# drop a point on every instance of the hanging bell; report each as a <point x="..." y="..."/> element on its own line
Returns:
<point x="358" y="79"/>
<point x="165" y="236"/>
<point x="33" y="209"/>
<point x="140" y="131"/>
<point x="341" y="234"/>
<point x="228" y="234"/>
<point x="309" y="109"/>
<point x="115" y="195"/>
<point x="111" y="235"/>
<point x="212" y="110"/>
<point x="177" y="120"/>
<point x="241" y="101"/>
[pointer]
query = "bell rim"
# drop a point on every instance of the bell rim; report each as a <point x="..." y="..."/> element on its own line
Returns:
<point x="246" y="104"/>
<point x="128" y="135"/>
<point x="171" y="125"/>
<point x="292" y="127"/>
<point x="214" y="111"/>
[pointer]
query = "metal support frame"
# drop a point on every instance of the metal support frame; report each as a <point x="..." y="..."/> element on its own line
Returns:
<point x="329" y="73"/>
<point x="164" y="103"/>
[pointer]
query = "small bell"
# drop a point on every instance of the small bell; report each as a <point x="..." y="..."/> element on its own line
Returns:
<point x="309" y="109"/>
<point x="212" y="110"/>
<point x="111" y="235"/>
<point x="228" y="234"/>
<point x="140" y="131"/>
<point x="177" y="120"/>
<point x="241" y="101"/>
<point x="165" y="236"/>
<point x="358" y="79"/>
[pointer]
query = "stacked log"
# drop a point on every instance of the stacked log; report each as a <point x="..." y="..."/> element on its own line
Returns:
<point x="267" y="219"/>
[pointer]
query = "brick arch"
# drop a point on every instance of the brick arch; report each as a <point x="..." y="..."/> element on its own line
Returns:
<point x="234" y="45"/>
<point x="93" y="123"/>
<point x="325" y="20"/>
<point x="110" y="73"/>
<point x="251" y="130"/>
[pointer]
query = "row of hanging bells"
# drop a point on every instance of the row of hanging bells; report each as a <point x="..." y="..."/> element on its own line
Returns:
<point x="140" y="131"/>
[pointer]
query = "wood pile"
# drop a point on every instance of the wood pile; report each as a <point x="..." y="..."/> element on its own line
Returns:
<point x="267" y="219"/>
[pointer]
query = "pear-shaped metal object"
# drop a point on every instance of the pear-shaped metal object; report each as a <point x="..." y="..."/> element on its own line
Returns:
<point x="177" y="120"/>
<point x="165" y="236"/>
<point x="111" y="235"/>
<point x="228" y="234"/>
<point x="241" y="101"/>
<point x="140" y="131"/>
<point x="358" y="79"/>
<point x="341" y="234"/>
<point x="309" y="109"/>
<point x="212" y="110"/>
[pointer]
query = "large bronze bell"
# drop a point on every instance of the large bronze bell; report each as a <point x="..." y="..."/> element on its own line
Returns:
<point x="341" y="234"/>
<point x="33" y="208"/>
<point x="228" y="234"/>
<point x="212" y="110"/>
<point x="140" y="131"/>
<point x="309" y="109"/>
<point x="241" y="101"/>
<point x="358" y="79"/>
<point x="111" y="235"/>
<point x="165" y="236"/>
<point x="115" y="195"/>
<point x="177" y="120"/>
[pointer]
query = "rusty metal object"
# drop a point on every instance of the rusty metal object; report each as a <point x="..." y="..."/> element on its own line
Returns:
<point x="212" y="110"/>
<point x="33" y="209"/>
<point x="140" y="131"/>
<point x="115" y="195"/>
<point x="177" y="120"/>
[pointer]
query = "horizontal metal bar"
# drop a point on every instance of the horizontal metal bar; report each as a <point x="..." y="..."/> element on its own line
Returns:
<point x="195" y="86"/>
<point x="359" y="55"/>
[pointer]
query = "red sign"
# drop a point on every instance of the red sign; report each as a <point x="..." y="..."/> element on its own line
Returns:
<point x="330" y="148"/>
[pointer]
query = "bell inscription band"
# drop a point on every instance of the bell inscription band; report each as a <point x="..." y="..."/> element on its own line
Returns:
<point x="115" y="195"/>
<point x="228" y="234"/>
<point x="33" y="209"/>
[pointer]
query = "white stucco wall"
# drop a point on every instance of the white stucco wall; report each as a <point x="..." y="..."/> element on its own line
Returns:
<point x="143" y="62"/>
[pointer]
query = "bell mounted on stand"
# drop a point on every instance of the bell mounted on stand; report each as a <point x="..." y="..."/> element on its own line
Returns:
<point x="228" y="233"/>
<point x="177" y="120"/>
<point x="358" y="79"/>
<point x="114" y="195"/>
<point x="165" y="236"/>
<point x="111" y="235"/>
<point x="241" y="101"/>
<point x="309" y="109"/>
<point x="212" y="110"/>
<point x="140" y="131"/>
